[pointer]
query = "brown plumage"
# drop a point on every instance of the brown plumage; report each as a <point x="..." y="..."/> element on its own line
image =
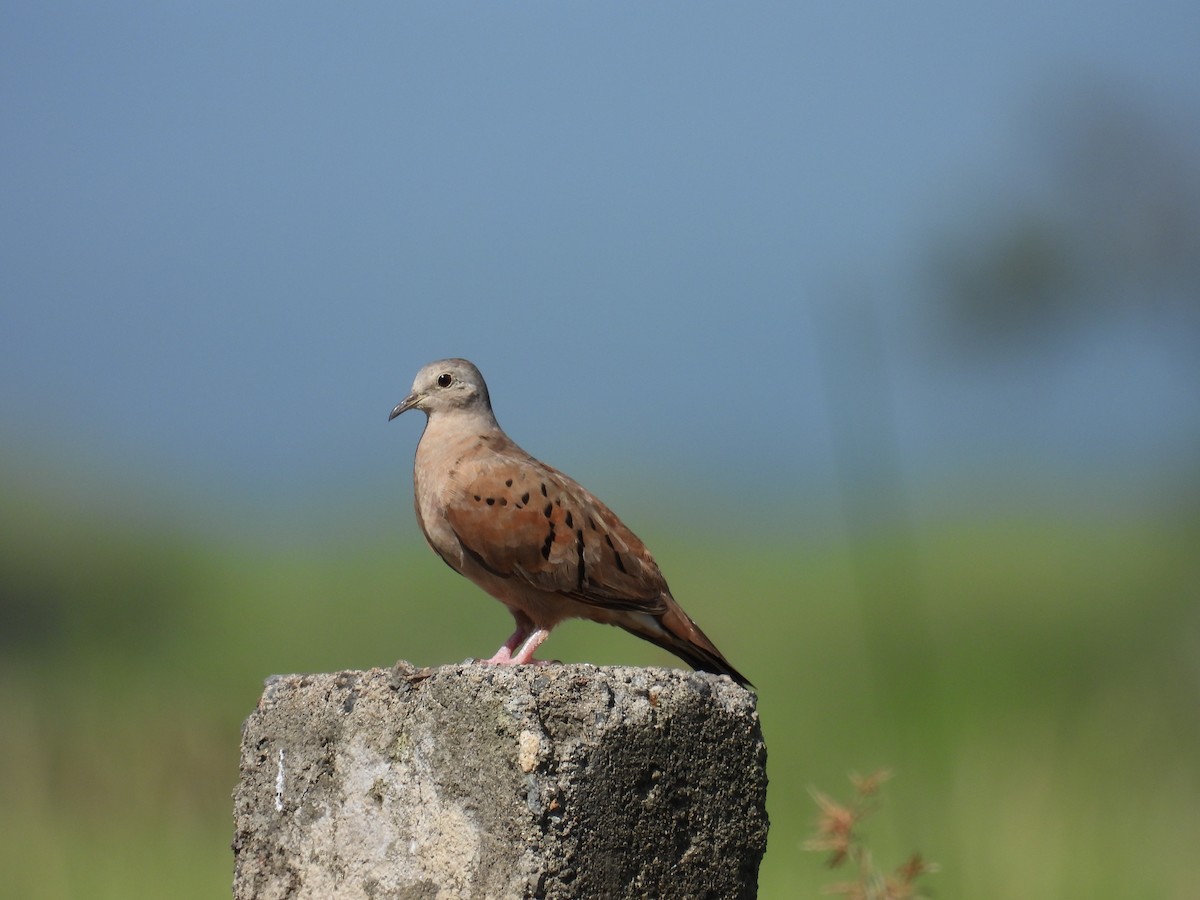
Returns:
<point x="528" y="534"/>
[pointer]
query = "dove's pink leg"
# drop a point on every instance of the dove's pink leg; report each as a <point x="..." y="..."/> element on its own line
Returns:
<point x="504" y="656"/>
<point x="527" y="637"/>
<point x="525" y="654"/>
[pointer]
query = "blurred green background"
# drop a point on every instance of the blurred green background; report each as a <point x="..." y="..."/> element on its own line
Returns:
<point x="879" y="324"/>
<point x="1030" y="678"/>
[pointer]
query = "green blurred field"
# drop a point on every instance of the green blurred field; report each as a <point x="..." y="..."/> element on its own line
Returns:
<point x="1033" y="683"/>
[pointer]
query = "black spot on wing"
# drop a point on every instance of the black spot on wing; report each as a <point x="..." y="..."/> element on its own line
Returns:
<point x="616" y="556"/>
<point x="581" y="569"/>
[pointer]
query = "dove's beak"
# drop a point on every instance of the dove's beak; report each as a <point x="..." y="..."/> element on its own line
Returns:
<point x="407" y="403"/>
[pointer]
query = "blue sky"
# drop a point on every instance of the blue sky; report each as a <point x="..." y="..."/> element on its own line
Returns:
<point x="231" y="233"/>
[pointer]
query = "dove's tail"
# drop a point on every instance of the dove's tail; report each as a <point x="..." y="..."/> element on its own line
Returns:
<point x="676" y="633"/>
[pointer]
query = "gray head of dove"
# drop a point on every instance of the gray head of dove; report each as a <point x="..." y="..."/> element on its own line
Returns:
<point x="446" y="385"/>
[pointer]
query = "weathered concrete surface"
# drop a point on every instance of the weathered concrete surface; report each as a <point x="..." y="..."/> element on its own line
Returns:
<point x="489" y="781"/>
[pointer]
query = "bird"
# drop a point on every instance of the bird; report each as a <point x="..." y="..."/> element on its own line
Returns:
<point x="531" y="536"/>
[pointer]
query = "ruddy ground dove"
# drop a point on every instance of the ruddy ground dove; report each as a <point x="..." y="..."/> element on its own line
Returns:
<point x="529" y="535"/>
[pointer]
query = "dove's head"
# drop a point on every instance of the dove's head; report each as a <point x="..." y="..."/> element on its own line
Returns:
<point x="445" y="386"/>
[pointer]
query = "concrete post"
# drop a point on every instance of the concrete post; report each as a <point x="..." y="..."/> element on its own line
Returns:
<point x="560" y="781"/>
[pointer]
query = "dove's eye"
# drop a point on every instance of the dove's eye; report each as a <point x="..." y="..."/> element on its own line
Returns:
<point x="444" y="379"/>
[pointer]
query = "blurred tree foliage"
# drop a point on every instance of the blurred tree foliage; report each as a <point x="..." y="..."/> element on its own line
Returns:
<point x="1114" y="227"/>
